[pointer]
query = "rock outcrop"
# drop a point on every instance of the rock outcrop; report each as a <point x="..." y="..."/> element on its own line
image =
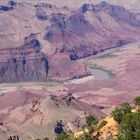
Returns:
<point x="10" y="6"/>
<point x="64" y="35"/>
<point x="23" y="64"/>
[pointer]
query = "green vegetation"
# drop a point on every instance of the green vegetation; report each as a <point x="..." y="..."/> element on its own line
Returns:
<point x="120" y="111"/>
<point x="102" y="124"/>
<point x="46" y="138"/>
<point x="65" y="136"/>
<point x="85" y="137"/>
<point x="130" y="127"/>
<point x="70" y="136"/>
<point x="91" y="120"/>
<point x="137" y="100"/>
<point x="137" y="103"/>
<point x="130" y="124"/>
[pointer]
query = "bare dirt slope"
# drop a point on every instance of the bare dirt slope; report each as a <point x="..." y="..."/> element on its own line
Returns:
<point x="31" y="110"/>
<point x="116" y="77"/>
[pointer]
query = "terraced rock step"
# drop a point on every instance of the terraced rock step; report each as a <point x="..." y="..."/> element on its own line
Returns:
<point x="23" y="64"/>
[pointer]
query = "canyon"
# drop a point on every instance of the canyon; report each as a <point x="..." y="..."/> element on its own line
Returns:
<point x="60" y="63"/>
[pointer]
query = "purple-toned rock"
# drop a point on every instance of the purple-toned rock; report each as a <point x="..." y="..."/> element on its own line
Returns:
<point x="32" y="42"/>
<point x="23" y="64"/>
<point x="118" y="12"/>
<point x="77" y="24"/>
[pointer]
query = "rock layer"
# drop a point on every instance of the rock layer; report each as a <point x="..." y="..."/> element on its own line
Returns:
<point x="23" y="64"/>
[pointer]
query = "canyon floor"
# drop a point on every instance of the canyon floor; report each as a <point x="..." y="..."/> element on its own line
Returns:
<point x="31" y="110"/>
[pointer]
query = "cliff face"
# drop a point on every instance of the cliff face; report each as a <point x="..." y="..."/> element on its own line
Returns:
<point x="62" y="34"/>
<point x="92" y="29"/>
<point x="23" y="64"/>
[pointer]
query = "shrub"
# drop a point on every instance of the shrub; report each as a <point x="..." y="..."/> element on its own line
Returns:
<point x="137" y="100"/>
<point x="130" y="127"/>
<point x="85" y="137"/>
<point x="102" y="124"/>
<point x="91" y="120"/>
<point x="120" y="111"/>
<point x="131" y="122"/>
<point x="46" y="138"/>
<point x="64" y="136"/>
